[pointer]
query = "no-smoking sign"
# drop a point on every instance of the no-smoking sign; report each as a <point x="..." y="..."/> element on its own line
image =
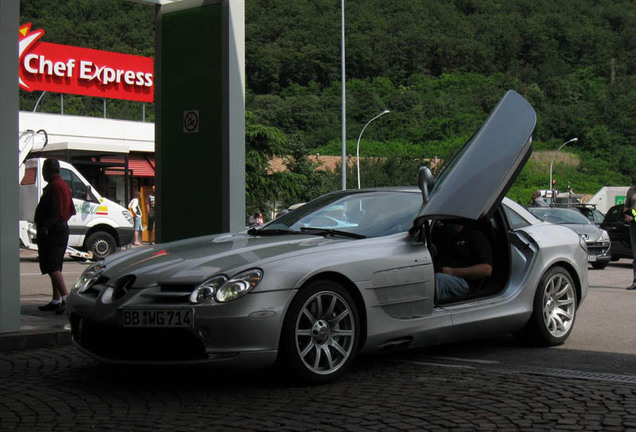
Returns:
<point x="191" y="121"/>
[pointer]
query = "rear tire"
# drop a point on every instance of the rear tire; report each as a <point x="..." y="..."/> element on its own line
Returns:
<point x="554" y="310"/>
<point x="321" y="333"/>
<point x="599" y="266"/>
<point x="101" y="244"/>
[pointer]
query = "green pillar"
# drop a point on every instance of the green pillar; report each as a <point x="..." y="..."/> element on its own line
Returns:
<point x="200" y="122"/>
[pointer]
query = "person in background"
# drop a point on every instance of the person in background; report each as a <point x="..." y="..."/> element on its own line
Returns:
<point x="51" y="219"/>
<point x="630" y="217"/>
<point x="150" y="211"/>
<point x="255" y="220"/>
<point x="135" y="210"/>
<point x="537" y="200"/>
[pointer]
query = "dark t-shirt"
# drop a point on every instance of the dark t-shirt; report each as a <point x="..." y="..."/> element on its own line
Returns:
<point x="56" y="204"/>
<point x="467" y="248"/>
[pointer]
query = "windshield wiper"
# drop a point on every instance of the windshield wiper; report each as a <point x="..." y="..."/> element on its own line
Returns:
<point x="329" y="231"/>
<point x="264" y="232"/>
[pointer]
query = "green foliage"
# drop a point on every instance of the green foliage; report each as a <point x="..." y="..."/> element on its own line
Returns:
<point x="439" y="66"/>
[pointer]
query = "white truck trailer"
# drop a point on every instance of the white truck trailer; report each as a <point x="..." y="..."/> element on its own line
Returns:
<point x="609" y="196"/>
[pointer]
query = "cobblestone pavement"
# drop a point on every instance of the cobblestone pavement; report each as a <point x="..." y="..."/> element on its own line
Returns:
<point x="62" y="390"/>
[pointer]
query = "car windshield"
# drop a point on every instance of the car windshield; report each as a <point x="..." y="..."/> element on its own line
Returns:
<point x="560" y="216"/>
<point x="363" y="213"/>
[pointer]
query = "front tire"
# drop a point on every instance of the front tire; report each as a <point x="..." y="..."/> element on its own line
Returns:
<point x="321" y="333"/>
<point x="101" y="244"/>
<point x="554" y="310"/>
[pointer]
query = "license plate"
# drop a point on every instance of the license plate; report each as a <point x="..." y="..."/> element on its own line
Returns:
<point x="591" y="258"/>
<point x="157" y="318"/>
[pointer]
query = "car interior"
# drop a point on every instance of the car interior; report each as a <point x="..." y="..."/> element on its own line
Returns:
<point x="494" y="228"/>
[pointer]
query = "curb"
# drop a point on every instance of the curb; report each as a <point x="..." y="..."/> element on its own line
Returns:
<point x="32" y="340"/>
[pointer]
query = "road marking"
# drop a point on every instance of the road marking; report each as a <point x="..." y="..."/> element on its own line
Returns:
<point x="457" y="359"/>
<point x="436" y="364"/>
<point x="532" y="370"/>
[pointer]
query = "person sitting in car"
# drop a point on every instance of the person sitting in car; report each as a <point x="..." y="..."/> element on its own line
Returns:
<point x="464" y="259"/>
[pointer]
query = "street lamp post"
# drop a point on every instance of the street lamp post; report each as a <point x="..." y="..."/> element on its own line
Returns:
<point x="360" y="137"/>
<point x="552" y="163"/>
<point x="344" y="109"/>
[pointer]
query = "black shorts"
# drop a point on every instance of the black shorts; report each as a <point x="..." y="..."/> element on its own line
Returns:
<point x="52" y="247"/>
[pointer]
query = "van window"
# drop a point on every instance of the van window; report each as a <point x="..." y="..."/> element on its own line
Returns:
<point x="29" y="176"/>
<point x="78" y="189"/>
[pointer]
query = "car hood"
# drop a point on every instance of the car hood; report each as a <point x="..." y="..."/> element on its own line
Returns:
<point x="590" y="233"/>
<point x="475" y="181"/>
<point x="194" y="260"/>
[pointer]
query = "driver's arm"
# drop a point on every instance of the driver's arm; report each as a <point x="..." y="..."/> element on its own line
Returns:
<point x="477" y="271"/>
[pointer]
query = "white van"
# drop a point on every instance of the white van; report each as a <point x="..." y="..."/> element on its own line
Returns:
<point x="99" y="227"/>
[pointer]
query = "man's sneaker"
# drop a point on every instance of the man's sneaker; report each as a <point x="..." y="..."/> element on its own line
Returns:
<point x="61" y="307"/>
<point x="49" y="307"/>
<point x="631" y="287"/>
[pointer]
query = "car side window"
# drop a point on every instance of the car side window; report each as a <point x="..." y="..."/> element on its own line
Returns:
<point x="515" y="220"/>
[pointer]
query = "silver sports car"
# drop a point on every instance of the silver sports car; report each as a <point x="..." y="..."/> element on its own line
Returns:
<point x="348" y="273"/>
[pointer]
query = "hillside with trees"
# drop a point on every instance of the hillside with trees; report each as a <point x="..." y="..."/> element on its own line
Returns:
<point x="439" y="65"/>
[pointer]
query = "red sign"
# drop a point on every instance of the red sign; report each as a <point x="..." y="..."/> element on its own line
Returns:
<point x="82" y="71"/>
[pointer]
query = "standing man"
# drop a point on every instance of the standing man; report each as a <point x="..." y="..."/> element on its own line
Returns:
<point x="630" y="213"/>
<point x="150" y="211"/>
<point x="51" y="215"/>
<point x="537" y="200"/>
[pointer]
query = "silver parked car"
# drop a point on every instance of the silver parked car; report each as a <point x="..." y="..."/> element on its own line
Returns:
<point x="348" y="273"/>
<point x="597" y="239"/>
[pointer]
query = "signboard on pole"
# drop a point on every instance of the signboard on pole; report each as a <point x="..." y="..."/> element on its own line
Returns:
<point x="82" y="71"/>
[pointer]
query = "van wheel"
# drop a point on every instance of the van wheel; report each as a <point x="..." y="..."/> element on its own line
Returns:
<point x="101" y="244"/>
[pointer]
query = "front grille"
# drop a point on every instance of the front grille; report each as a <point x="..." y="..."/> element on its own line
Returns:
<point x="169" y="293"/>
<point x="118" y="343"/>
<point x="596" y="248"/>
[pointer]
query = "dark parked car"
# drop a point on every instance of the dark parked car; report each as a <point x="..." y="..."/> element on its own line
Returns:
<point x="618" y="230"/>
<point x="596" y="239"/>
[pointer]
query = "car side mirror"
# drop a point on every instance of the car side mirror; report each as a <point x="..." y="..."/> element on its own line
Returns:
<point x="425" y="181"/>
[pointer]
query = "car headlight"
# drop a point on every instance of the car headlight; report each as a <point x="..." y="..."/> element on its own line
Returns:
<point x="89" y="277"/>
<point x="223" y="290"/>
<point x="207" y="289"/>
<point x="128" y="216"/>
<point x="238" y="286"/>
<point x="604" y="236"/>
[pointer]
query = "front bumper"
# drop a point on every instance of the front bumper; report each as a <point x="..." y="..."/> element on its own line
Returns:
<point x="599" y="252"/>
<point x="242" y="333"/>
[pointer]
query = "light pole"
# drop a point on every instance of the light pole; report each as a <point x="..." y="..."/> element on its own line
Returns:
<point x="344" y="106"/>
<point x="552" y="163"/>
<point x="360" y="137"/>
